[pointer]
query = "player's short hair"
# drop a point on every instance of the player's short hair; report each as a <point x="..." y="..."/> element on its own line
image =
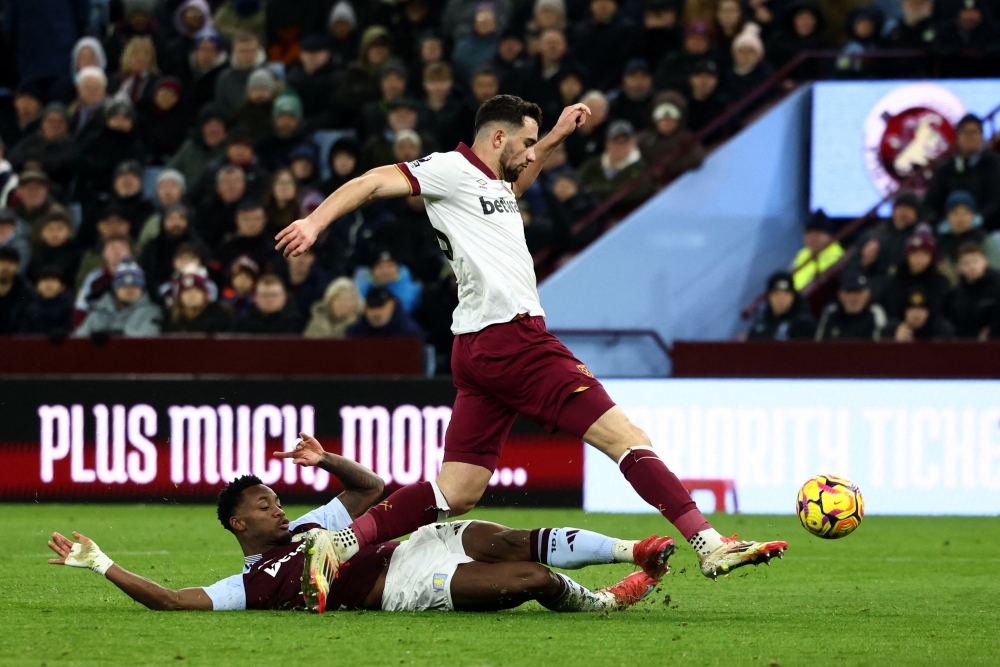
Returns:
<point x="509" y="110"/>
<point x="231" y="497"/>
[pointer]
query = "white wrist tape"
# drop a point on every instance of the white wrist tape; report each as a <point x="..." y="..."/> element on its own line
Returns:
<point x="90" y="556"/>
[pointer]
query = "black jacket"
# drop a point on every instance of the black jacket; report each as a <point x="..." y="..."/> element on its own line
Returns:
<point x="971" y="306"/>
<point x="892" y="296"/>
<point x="871" y="323"/>
<point x="796" y="324"/>
<point x="15" y="304"/>
<point x="603" y="48"/>
<point x="214" y="319"/>
<point x="287" y="321"/>
<point x="48" y="316"/>
<point x="979" y="175"/>
<point x="891" y="253"/>
<point x="400" y="326"/>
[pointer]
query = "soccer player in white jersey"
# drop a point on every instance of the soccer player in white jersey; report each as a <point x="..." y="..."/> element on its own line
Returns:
<point x="504" y="361"/>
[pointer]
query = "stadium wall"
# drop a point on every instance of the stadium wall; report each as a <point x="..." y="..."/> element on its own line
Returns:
<point x="686" y="261"/>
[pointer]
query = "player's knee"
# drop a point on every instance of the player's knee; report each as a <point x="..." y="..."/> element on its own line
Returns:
<point x="537" y="579"/>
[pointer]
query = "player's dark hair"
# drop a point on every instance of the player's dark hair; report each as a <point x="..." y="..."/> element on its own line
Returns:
<point x="231" y="497"/>
<point x="507" y="109"/>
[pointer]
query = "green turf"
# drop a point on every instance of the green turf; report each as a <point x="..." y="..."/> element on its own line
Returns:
<point x="901" y="591"/>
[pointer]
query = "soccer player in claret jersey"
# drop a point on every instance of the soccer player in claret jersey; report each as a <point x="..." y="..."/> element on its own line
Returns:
<point x="457" y="566"/>
<point x="504" y="361"/>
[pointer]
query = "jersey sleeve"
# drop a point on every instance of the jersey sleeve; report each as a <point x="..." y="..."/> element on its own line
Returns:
<point x="332" y="516"/>
<point x="434" y="176"/>
<point x="228" y="594"/>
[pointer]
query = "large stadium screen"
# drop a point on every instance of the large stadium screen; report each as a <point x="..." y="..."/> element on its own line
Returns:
<point x="869" y="136"/>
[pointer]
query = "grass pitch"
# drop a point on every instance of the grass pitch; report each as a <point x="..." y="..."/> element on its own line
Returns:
<point x="901" y="591"/>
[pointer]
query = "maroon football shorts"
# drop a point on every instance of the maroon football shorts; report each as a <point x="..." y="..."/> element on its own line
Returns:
<point x="510" y="369"/>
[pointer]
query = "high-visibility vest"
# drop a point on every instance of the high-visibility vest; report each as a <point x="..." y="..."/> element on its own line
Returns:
<point x="805" y="270"/>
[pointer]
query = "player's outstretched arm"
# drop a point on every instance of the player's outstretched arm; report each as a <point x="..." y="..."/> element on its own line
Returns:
<point x="379" y="183"/>
<point x="85" y="553"/>
<point x="362" y="487"/>
<point x="571" y="118"/>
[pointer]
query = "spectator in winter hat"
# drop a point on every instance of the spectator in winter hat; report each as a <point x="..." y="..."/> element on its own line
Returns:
<point x="284" y="135"/>
<point x="974" y="169"/>
<point x="256" y="114"/>
<point x="34" y="201"/>
<point x="342" y="25"/>
<point x="920" y="272"/>
<point x="87" y="52"/>
<point x="406" y="146"/>
<point x="962" y="225"/>
<point x="920" y="321"/>
<point x="633" y="99"/>
<point x="383" y="318"/>
<point x="883" y="249"/>
<point x="619" y="164"/>
<point x="785" y="315"/>
<point x="674" y="68"/>
<point x="972" y="305"/>
<point x="51" y="149"/>
<point x="94" y="281"/>
<point x="104" y="149"/>
<point x="304" y="163"/>
<point x="170" y="189"/>
<point x="231" y="86"/>
<point x="313" y="76"/>
<point x="238" y="295"/>
<point x="164" y="121"/>
<point x="338" y="309"/>
<point x="202" y="66"/>
<point x="344" y="160"/>
<point x="820" y="251"/>
<point x="56" y="247"/>
<point x="193" y="310"/>
<point x="51" y="312"/>
<point x="206" y="143"/>
<point x="272" y="313"/>
<point x="749" y="69"/>
<point x="124" y="311"/>
<point x="706" y="101"/>
<point x="853" y="315"/>
<point x="668" y="135"/>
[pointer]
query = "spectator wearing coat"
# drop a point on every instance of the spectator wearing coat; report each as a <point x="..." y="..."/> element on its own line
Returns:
<point x="962" y="225"/>
<point x="668" y="135"/>
<point x="384" y="318"/>
<point x="853" y="315"/>
<point x="273" y="312"/>
<point x="619" y="164"/>
<point x="973" y="304"/>
<point x="51" y="149"/>
<point x="126" y="310"/>
<point x="921" y="321"/>
<point x="193" y="311"/>
<point x="819" y="252"/>
<point x="974" y="169"/>
<point x="51" y="312"/>
<point x="388" y="273"/>
<point x="785" y="315"/>
<point x="206" y="143"/>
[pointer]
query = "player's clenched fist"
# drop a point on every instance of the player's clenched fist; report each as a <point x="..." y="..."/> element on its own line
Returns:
<point x="296" y="238"/>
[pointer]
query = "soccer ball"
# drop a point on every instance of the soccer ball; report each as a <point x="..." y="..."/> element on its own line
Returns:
<point x="830" y="507"/>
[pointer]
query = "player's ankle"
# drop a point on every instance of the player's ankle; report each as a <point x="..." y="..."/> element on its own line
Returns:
<point x="623" y="551"/>
<point x="706" y="541"/>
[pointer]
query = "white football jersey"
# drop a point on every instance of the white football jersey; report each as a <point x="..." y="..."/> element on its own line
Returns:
<point x="479" y="228"/>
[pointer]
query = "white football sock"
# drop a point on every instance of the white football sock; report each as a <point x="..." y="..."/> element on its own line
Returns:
<point x="572" y="548"/>
<point x="578" y="598"/>
<point x="706" y="541"/>
<point x="623" y="551"/>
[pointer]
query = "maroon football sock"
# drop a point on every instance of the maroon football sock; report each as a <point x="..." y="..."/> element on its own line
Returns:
<point x="659" y="487"/>
<point x="402" y="512"/>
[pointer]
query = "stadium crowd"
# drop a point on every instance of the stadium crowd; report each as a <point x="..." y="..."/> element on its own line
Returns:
<point x="151" y="149"/>
<point x="931" y="271"/>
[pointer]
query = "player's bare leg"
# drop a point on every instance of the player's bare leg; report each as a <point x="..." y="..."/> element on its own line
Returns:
<point x="629" y="446"/>
<point x="496" y="586"/>
<point x="566" y="548"/>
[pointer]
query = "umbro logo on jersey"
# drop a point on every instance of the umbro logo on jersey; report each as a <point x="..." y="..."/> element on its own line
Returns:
<point x="482" y="184"/>
<point x="416" y="163"/>
<point x="501" y="205"/>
